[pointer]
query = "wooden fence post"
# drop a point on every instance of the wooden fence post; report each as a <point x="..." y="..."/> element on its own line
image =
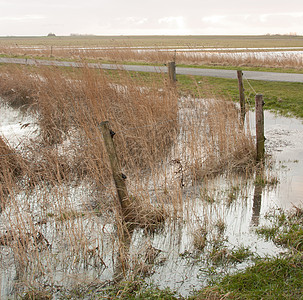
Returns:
<point x="172" y="71"/>
<point x="118" y="177"/>
<point x="242" y="96"/>
<point x="259" y="127"/>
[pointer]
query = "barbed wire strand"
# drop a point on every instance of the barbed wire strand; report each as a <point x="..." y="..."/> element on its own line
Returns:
<point x="250" y="84"/>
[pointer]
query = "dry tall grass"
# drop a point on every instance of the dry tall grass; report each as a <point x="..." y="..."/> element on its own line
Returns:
<point x="61" y="220"/>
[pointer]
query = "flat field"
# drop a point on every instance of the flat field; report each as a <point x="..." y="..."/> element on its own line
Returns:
<point x="255" y="41"/>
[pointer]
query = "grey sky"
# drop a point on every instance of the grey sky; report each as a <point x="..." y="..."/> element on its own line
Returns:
<point x="131" y="17"/>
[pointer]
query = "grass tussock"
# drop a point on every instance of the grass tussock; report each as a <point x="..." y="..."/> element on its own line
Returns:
<point x="216" y="140"/>
<point x="18" y="87"/>
<point x="270" y="278"/>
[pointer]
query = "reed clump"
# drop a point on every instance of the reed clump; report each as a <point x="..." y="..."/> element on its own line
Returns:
<point x="229" y="147"/>
<point x="18" y="87"/>
<point x="70" y="108"/>
<point x="217" y="142"/>
<point x="11" y="169"/>
<point x="10" y="161"/>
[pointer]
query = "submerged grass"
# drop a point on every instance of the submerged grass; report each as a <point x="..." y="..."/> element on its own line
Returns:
<point x="280" y="277"/>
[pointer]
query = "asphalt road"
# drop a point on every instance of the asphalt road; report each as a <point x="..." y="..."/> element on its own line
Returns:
<point x="254" y="75"/>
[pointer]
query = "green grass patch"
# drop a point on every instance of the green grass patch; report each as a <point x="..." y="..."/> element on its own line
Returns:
<point x="132" y="289"/>
<point x="243" y="68"/>
<point x="285" y="98"/>
<point x="278" y="278"/>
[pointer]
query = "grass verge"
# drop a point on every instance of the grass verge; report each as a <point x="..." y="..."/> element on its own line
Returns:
<point x="282" y="97"/>
<point x="146" y="63"/>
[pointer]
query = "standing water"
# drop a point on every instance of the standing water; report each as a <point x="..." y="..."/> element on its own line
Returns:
<point x="224" y="212"/>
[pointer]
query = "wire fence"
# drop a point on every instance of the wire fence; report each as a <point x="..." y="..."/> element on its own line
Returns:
<point x="125" y="130"/>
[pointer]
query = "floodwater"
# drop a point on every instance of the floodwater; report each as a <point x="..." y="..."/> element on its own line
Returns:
<point x="178" y="264"/>
<point x="262" y="53"/>
<point x="285" y="142"/>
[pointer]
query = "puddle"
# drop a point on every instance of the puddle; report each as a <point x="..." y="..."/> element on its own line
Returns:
<point x="238" y="204"/>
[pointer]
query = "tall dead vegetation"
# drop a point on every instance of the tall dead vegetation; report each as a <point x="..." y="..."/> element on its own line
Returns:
<point x="61" y="214"/>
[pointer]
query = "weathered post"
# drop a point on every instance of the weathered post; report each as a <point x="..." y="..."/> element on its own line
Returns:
<point x="259" y="127"/>
<point x="172" y="71"/>
<point x="242" y="96"/>
<point x="118" y="177"/>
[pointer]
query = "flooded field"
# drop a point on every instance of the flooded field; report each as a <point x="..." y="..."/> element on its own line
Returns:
<point x="258" y="53"/>
<point x="71" y="244"/>
<point x="252" y="56"/>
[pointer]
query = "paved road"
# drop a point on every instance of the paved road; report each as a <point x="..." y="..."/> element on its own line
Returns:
<point x="266" y="76"/>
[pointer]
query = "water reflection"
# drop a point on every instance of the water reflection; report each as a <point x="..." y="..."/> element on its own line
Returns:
<point x="121" y="267"/>
<point x="257" y="199"/>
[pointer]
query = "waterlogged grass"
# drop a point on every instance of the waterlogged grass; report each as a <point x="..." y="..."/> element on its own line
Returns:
<point x="285" y="229"/>
<point x="138" y="289"/>
<point x="280" y="277"/>
<point x="132" y="289"/>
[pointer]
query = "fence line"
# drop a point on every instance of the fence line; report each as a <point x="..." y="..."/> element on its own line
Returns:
<point x="18" y="152"/>
<point x="249" y="84"/>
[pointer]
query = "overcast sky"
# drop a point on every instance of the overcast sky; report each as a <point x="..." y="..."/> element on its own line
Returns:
<point x="153" y="17"/>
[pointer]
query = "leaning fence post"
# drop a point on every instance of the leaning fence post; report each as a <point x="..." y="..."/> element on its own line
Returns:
<point x="259" y="127"/>
<point x="172" y="71"/>
<point x="242" y="96"/>
<point x="118" y="177"/>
